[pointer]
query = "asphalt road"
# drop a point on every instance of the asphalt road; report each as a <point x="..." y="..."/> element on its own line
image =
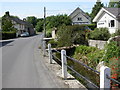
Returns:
<point x="24" y="67"/>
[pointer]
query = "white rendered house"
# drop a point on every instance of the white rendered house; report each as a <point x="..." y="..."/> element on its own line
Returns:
<point x="109" y="18"/>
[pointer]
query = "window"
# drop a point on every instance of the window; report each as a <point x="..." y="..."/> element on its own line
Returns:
<point x="100" y="23"/>
<point x="112" y="23"/>
<point x="79" y="19"/>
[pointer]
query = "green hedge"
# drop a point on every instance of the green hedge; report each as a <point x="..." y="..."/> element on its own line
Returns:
<point x="100" y="34"/>
<point x="8" y="35"/>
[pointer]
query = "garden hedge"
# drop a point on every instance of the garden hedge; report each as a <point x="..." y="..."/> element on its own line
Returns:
<point x="8" y="35"/>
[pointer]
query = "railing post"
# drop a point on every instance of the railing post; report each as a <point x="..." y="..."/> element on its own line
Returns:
<point x="44" y="48"/>
<point x="64" y="63"/>
<point x="50" y="53"/>
<point x="104" y="81"/>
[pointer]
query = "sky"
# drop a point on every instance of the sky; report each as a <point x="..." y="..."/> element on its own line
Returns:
<point x="25" y="8"/>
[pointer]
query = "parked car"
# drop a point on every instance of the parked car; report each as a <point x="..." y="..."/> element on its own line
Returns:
<point x="25" y="34"/>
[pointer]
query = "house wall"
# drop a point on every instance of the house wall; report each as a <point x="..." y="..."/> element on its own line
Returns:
<point x="23" y="28"/>
<point x="31" y="31"/>
<point x="84" y="19"/>
<point x="118" y="25"/>
<point x="104" y="21"/>
<point x="16" y="26"/>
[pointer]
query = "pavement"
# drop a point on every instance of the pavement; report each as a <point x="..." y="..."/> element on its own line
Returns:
<point x="23" y="66"/>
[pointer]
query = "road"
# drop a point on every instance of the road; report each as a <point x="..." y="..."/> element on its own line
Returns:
<point x="23" y="66"/>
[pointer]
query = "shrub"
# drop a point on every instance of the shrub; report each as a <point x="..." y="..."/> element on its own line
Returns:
<point x="8" y="35"/>
<point x="53" y="43"/>
<point x="84" y="49"/>
<point x="112" y="50"/>
<point x="99" y="34"/>
<point x="92" y="26"/>
<point x="89" y="55"/>
<point x="117" y="33"/>
<point x="49" y="33"/>
<point x="114" y="64"/>
<point x="112" y="59"/>
<point x="69" y="35"/>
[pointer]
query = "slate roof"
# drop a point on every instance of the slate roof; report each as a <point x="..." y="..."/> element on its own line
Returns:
<point x="114" y="11"/>
<point x="19" y="21"/>
<point x="74" y="14"/>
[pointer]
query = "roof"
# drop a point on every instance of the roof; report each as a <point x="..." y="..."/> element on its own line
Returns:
<point x="19" y="21"/>
<point x="114" y="12"/>
<point x="77" y="11"/>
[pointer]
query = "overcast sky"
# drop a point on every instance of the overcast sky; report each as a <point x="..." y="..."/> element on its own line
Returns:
<point x="24" y="8"/>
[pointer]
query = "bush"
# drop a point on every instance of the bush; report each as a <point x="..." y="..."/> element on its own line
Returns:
<point x="53" y="43"/>
<point x="49" y="33"/>
<point x="117" y="33"/>
<point x="69" y="35"/>
<point x="114" y="64"/>
<point x="99" y="34"/>
<point x="92" y="26"/>
<point x="112" y="50"/>
<point x="112" y="59"/>
<point x="89" y="55"/>
<point x="8" y="35"/>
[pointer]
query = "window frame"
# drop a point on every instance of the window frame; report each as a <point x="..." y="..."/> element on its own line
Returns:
<point x="112" y="23"/>
<point x="79" y="19"/>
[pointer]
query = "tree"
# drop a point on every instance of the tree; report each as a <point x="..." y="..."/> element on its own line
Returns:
<point x="56" y="21"/>
<point x="39" y="26"/>
<point x="7" y="25"/>
<point x="72" y="35"/>
<point x="96" y="9"/>
<point x="114" y="3"/>
<point x="87" y="13"/>
<point x="32" y="20"/>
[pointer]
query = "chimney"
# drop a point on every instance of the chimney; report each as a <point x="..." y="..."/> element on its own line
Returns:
<point x="7" y="13"/>
<point x="24" y="19"/>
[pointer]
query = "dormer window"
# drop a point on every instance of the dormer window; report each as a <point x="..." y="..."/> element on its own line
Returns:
<point x="79" y="19"/>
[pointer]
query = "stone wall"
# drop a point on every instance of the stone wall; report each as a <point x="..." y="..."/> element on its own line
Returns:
<point x="97" y="43"/>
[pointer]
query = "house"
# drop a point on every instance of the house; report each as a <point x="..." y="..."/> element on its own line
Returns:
<point x="109" y="18"/>
<point x="79" y="17"/>
<point x="21" y="25"/>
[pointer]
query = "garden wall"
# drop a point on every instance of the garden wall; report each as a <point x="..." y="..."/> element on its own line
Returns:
<point x="97" y="43"/>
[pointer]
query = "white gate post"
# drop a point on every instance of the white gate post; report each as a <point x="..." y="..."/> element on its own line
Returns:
<point x="104" y="81"/>
<point x="44" y="47"/>
<point x="64" y="63"/>
<point x="50" y="53"/>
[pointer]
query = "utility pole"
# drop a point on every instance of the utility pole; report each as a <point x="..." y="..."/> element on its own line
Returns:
<point x="44" y="21"/>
